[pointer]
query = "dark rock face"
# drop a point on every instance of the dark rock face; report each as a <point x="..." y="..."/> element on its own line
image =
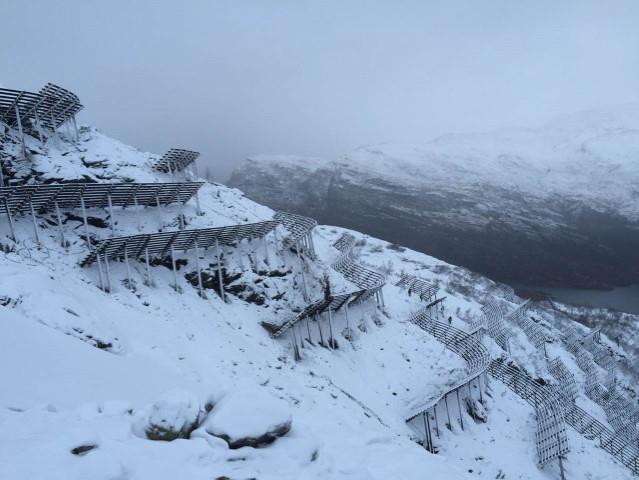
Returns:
<point x="504" y="234"/>
<point x="260" y="441"/>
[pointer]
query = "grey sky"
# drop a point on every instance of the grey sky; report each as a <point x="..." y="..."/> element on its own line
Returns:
<point x="236" y="78"/>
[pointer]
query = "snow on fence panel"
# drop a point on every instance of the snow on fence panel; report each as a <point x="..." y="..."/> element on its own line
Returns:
<point x="411" y="283"/>
<point x="161" y="244"/>
<point x="601" y="353"/>
<point x="31" y="112"/>
<point x="175" y="160"/>
<point x="613" y="443"/>
<point x="551" y="439"/>
<point x="622" y="414"/>
<point x="533" y="330"/>
<point x="494" y="324"/>
<point x="354" y="272"/>
<point x="42" y="198"/>
<point x="301" y="232"/>
<point x="566" y="379"/>
<point x="333" y="303"/>
<point x="469" y="348"/>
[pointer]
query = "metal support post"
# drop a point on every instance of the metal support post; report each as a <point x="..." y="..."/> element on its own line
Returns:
<point x="330" y="328"/>
<point x="304" y="290"/>
<point x="149" y="281"/>
<point x="11" y="227"/>
<point x="450" y="425"/>
<point x="63" y="242"/>
<point x="175" y="284"/>
<point x="199" y="270"/>
<point x="102" y="287"/>
<point x="219" y="270"/>
<point x="108" y="272"/>
<point x="198" y="210"/>
<point x="111" y="217"/>
<point x="137" y="212"/>
<point x="319" y="327"/>
<point x="159" y="205"/>
<point x="128" y="268"/>
<point x="461" y="417"/>
<point x="86" y="223"/>
<point x="308" y="330"/>
<point x="35" y="224"/>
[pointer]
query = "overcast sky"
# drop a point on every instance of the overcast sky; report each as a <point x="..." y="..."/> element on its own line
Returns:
<point x="319" y="78"/>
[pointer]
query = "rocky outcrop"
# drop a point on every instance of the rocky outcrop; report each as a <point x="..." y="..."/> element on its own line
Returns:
<point x="249" y="418"/>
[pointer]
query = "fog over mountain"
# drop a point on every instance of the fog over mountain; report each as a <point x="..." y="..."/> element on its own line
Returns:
<point x="556" y="205"/>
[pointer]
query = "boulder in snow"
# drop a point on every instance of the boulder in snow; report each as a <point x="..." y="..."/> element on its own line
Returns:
<point x="249" y="418"/>
<point x="175" y="415"/>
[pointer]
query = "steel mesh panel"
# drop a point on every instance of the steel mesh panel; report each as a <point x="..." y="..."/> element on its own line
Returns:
<point x="469" y="348"/>
<point x="566" y="379"/>
<point x="533" y="330"/>
<point x="95" y="195"/>
<point x="369" y="282"/>
<point x="551" y="439"/>
<point x="297" y="225"/>
<point x="411" y="283"/>
<point x="159" y="244"/>
<point x="354" y="272"/>
<point x="48" y="109"/>
<point x="493" y="322"/>
<point x="175" y="160"/>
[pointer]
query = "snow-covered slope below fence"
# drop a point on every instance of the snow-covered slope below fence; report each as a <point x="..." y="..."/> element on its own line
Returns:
<point x="86" y="375"/>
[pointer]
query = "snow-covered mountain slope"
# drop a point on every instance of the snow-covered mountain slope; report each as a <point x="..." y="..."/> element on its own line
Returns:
<point x="557" y="204"/>
<point x="83" y="372"/>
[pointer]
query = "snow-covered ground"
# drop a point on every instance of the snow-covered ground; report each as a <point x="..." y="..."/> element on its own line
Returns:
<point x="84" y="372"/>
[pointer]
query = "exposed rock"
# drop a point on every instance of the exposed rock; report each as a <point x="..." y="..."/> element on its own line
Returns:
<point x="174" y="416"/>
<point x="83" y="449"/>
<point x="249" y="418"/>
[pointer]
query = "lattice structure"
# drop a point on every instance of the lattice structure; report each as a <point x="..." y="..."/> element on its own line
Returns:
<point x="175" y="160"/>
<point x="622" y="414"/>
<point x="160" y="244"/>
<point x="44" y="198"/>
<point x="613" y="443"/>
<point x="571" y="339"/>
<point x="333" y="303"/>
<point x="493" y="322"/>
<point x="564" y="377"/>
<point x="551" y="438"/>
<point x="532" y="329"/>
<point x="354" y="272"/>
<point x="413" y="284"/>
<point x="601" y="354"/>
<point x="470" y="349"/>
<point x="301" y="232"/>
<point x="30" y="112"/>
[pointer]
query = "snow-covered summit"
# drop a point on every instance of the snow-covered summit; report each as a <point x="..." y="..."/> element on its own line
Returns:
<point x="590" y="155"/>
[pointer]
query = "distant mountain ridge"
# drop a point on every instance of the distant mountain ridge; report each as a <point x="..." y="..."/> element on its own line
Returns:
<point x="556" y="205"/>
